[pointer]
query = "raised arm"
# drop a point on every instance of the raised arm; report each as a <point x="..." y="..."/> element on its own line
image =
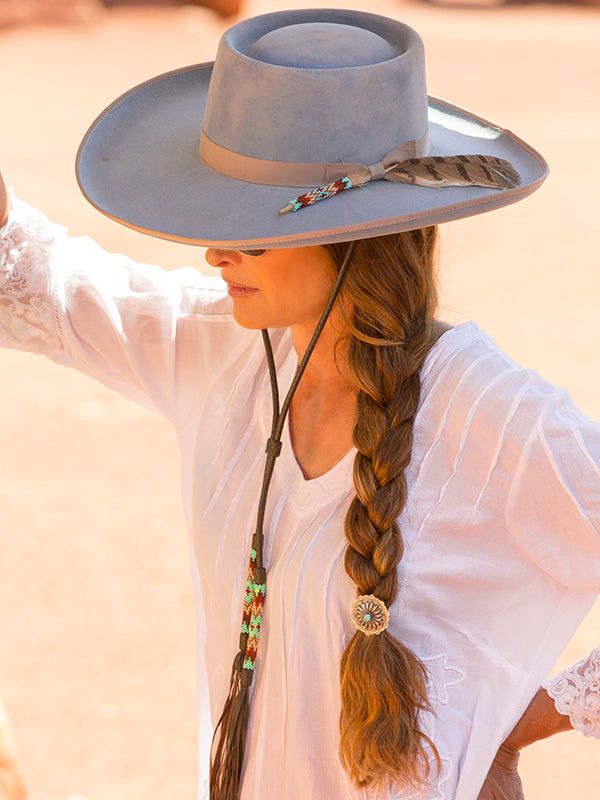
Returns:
<point x="159" y="337"/>
<point x="156" y="336"/>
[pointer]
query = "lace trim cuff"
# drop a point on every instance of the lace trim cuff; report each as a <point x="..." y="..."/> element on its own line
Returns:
<point x="576" y="693"/>
<point x="29" y="315"/>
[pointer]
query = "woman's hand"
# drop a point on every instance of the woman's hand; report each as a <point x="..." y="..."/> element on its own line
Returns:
<point x="503" y="781"/>
<point x="540" y="720"/>
<point x="4" y="203"/>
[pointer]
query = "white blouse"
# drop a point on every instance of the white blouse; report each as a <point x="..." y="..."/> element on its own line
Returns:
<point x="501" y="526"/>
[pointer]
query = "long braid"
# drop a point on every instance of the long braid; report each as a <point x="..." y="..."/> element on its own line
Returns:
<point x="392" y="294"/>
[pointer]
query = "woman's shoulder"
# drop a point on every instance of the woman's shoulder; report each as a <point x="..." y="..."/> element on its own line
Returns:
<point x="471" y="382"/>
<point x="467" y="356"/>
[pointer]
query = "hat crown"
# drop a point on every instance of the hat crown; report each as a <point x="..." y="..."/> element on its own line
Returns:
<point x="317" y="85"/>
<point x="321" y="45"/>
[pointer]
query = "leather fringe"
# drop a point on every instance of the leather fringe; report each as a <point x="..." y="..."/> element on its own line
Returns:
<point x="226" y="769"/>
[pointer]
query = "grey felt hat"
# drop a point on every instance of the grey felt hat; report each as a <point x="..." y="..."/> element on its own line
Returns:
<point x="210" y="154"/>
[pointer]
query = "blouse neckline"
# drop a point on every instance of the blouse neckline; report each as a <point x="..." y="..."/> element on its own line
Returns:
<point x="339" y="479"/>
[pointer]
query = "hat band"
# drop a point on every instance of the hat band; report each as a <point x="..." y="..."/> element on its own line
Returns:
<point x="295" y="173"/>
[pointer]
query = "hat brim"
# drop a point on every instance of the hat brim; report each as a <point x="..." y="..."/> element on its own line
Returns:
<point x="138" y="164"/>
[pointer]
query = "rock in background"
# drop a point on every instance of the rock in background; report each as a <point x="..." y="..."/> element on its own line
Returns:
<point x="21" y="12"/>
<point x="24" y="12"/>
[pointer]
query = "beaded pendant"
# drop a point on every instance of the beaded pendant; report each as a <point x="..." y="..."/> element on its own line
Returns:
<point x="254" y="601"/>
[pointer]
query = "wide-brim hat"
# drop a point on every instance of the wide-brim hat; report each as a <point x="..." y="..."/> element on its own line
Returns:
<point x="209" y="154"/>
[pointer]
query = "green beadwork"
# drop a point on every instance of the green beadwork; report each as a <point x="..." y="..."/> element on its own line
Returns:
<point x="251" y="622"/>
<point x="367" y="617"/>
<point x="255" y="627"/>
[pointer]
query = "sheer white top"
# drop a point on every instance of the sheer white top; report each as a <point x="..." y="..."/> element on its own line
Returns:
<point x="501" y="526"/>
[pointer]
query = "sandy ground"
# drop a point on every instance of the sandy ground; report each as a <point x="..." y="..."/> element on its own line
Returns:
<point x="96" y="608"/>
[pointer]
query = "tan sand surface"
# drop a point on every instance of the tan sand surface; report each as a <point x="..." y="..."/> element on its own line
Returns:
<point x="96" y="607"/>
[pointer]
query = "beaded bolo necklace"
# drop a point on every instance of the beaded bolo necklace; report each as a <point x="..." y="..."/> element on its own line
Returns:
<point x="368" y="613"/>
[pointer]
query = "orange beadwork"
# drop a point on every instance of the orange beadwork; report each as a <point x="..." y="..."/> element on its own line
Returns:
<point x="320" y="193"/>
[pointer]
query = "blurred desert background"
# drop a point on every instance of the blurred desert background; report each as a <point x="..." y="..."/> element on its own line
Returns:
<point x="97" y="638"/>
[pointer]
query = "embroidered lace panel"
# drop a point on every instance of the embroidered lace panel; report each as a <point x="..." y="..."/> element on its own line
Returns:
<point x="576" y="693"/>
<point x="28" y="318"/>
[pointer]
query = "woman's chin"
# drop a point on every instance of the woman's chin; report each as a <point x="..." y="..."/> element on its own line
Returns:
<point x="257" y="319"/>
<point x="248" y="320"/>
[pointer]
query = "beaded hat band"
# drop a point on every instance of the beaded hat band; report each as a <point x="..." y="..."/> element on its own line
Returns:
<point x="406" y="163"/>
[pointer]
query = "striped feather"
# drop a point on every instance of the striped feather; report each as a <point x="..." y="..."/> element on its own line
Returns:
<point x="461" y="170"/>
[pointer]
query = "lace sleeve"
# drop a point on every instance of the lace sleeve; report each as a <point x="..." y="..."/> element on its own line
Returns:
<point x="576" y="693"/>
<point x="27" y="319"/>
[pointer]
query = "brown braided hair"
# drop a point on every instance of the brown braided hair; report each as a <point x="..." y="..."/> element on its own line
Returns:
<point x="387" y="302"/>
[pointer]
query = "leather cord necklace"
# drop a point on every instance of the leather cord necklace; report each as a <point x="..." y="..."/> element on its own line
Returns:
<point x="226" y="768"/>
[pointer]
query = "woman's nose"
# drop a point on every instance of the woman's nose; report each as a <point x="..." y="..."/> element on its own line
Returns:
<point x="220" y="258"/>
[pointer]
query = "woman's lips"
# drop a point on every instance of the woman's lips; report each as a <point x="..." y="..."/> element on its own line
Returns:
<point x="237" y="289"/>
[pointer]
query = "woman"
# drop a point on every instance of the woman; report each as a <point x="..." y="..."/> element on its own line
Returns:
<point x="404" y="658"/>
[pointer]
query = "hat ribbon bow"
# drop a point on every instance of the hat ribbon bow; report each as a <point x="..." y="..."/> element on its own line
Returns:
<point x="436" y="171"/>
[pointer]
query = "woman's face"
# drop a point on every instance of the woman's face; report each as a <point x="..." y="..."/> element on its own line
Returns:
<point x="293" y="285"/>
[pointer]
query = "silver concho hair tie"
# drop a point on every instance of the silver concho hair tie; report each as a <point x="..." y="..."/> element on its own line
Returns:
<point x="369" y="614"/>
